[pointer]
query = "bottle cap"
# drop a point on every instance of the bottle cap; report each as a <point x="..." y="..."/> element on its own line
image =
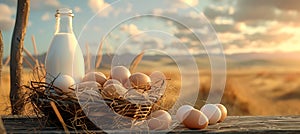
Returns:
<point x="64" y="11"/>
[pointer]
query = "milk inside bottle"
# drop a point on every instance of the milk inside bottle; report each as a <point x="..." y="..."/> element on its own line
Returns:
<point x="64" y="55"/>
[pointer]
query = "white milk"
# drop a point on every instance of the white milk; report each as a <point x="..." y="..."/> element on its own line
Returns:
<point x="65" y="57"/>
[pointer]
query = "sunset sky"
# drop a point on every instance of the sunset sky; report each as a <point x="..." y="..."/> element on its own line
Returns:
<point x="241" y="25"/>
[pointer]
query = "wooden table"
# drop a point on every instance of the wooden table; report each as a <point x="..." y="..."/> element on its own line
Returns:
<point x="233" y="124"/>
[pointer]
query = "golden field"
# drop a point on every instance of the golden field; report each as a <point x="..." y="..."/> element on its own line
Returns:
<point x="250" y="89"/>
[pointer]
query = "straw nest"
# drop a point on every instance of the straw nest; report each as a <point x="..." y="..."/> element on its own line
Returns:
<point x="72" y="109"/>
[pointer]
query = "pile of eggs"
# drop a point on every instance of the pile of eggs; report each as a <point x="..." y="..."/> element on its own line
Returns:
<point x="190" y="117"/>
<point x="209" y="114"/>
<point x="117" y="84"/>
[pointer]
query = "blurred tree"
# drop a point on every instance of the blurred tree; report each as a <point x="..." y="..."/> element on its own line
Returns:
<point x="1" y="56"/>
<point x="17" y="44"/>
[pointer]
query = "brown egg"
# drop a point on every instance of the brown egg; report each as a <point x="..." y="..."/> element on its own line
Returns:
<point x="95" y="76"/>
<point x="159" y="120"/>
<point x="127" y="84"/>
<point x="195" y="120"/>
<point x="87" y="85"/>
<point x="111" y="81"/>
<point x="120" y="73"/>
<point x="140" y="81"/>
<point x="223" y="111"/>
<point x="158" y="79"/>
<point x="113" y="91"/>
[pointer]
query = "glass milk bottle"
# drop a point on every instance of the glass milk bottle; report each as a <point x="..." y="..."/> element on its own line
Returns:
<point x="64" y="55"/>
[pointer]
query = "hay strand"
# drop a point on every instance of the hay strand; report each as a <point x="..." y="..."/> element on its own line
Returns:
<point x="7" y="61"/>
<point x="34" y="45"/>
<point x="136" y="61"/>
<point x="59" y="117"/>
<point x="28" y="63"/>
<point x="99" y="54"/>
<point x="29" y="55"/>
<point x="35" y="50"/>
<point x="88" y="57"/>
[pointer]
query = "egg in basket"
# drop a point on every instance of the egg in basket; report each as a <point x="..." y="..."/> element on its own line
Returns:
<point x="128" y="95"/>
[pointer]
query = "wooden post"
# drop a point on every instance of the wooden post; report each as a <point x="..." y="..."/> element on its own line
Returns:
<point x="1" y="56"/>
<point x="17" y="44"/>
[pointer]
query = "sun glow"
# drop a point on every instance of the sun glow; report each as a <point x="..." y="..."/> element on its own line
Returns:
<point x="191" y="2"/>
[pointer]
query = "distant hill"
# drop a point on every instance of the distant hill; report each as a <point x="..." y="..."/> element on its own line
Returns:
<point x="265" y="56"/>
<point x="232" y="60"/>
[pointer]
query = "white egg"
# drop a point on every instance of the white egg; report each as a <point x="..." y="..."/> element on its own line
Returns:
<point x="181" y="112"/>
<point x="63" y="82"/>
<point x="212" y="112"/>
<point x="159" y="120"/>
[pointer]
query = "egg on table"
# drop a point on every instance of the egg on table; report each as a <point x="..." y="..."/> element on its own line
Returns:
<point x="195" y="119"/>
<point x="120" y="73"/>
<point x="159" y="120"/>
<point x="181" y="112"/>
<point x="223" y="111"/>
<point x="212" y="112"/>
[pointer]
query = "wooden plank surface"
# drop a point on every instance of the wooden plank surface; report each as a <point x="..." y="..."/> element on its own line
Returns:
<point x="2" y="128"/>
<point x="233" y="124"/>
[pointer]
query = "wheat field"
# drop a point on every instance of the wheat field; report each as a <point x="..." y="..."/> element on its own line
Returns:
<point x="249" y="91"/>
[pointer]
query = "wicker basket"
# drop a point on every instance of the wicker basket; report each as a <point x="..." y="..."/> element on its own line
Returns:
<point x="75" y="117"/>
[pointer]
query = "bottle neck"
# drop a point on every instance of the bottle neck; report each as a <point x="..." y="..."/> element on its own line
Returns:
<point x="64" y="24"/>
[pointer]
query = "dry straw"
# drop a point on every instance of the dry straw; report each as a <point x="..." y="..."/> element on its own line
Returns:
<point x="88" y="57"/>
<point x="35" y="50"/>
<point x="28" y="63"/>
<point x="136" y="61"/>
<point x="99" y="54"/>
<point x="7" y="61"/>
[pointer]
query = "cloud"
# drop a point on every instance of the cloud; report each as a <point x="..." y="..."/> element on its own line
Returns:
<point x="131" y="29"/>
<point x="278" y="4"/>
<point x="276" y="37"/>
<point x="29" y="23"/>
<point x="214" y="11"/>
<point x="257" y="10"/>
<point x="223" y="28"/>
<point x="194" y="20"/>
<point x="269" y="37"/>
<point x="145" y="42"/>
<point x="77" y="9"/>
<point x="6" y="20"/>
<point x="191" y="3"/>
<point x="182" y="3"/>
<point x="255" y="25"/>
<point x="11" y="3"/>
<point x="250" y="11"/>
<point x="46" y="17"/>
<point x="100" y="5"/>
<point x="45" y="4"/>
